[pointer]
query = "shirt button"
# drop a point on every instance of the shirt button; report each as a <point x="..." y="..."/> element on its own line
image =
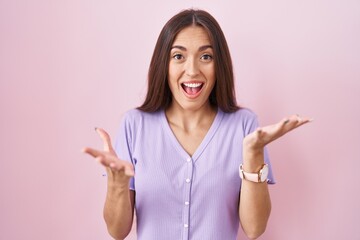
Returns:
<point x="187" y="180"/>
<point x="188" y="160"/>
<point x="187" y="203"/>
<point x="186" y="226"/>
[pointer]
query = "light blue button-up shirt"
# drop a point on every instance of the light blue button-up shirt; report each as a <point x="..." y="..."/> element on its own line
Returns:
<point x="178" y="196"/>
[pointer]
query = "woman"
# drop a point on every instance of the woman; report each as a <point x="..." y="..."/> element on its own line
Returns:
<point x="200" y="163"/>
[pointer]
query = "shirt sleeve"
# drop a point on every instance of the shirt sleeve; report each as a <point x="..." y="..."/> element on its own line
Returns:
<point x="123" y="145"/>
<point x="251" y="127"/>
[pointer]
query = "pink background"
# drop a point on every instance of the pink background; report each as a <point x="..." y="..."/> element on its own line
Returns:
<point x="68" y="66"/>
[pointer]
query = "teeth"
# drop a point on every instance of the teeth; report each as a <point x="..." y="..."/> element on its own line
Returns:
<point x="192" y="85"/>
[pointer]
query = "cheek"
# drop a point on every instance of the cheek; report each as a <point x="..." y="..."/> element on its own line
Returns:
<point x="172" y="73"/>
<point x="172" y="78"/>
<point x="210" y="74"/>
<point x="212" y="79"/>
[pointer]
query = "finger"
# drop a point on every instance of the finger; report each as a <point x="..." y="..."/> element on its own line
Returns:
<point x="118" y="165"/>
<point x="126" y="167"/>
<point x="292" y="121"/>
<point x="108" y="160"/>
<point x="93" y="152"/>
<point x="99" y="159"/>
<point x="303" y="121"/>
<point x="106" y="140"/>
<point x="286" y="125"/>
<point x="295" y="121"/>
<point x="285" y="121"/>
<point x="102" y="157"/>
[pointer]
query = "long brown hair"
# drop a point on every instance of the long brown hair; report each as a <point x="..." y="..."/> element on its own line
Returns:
<point x="158" y="94"/>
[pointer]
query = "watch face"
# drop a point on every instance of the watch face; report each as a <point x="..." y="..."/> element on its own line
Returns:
<point x="264" y="172"/>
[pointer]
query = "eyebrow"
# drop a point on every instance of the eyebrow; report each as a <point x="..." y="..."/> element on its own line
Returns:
<point x="202" y="48"/>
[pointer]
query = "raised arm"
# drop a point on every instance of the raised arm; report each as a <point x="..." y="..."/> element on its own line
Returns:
<point x="119" y="203"/>
<point x="254" y="204"/>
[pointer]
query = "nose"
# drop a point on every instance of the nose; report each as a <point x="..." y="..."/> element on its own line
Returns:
<point x="192" y="67"/>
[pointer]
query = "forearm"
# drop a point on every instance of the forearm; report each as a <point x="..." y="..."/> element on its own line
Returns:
<point x="118" y="211"/>
<point x="255" y="204"/>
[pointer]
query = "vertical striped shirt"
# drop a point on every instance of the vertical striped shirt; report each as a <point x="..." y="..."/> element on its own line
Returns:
<point x="178" y="196"/>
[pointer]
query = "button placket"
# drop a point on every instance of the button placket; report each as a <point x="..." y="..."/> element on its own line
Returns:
<point x="186" y="207"/>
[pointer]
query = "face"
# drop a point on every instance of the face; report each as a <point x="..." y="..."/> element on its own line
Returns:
<point x="191" y="69"/>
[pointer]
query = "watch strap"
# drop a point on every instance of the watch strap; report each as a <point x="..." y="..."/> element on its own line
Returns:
<point x="253" y="177"/>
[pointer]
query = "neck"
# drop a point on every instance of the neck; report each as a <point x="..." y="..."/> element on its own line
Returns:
<point x="190" y="119"/>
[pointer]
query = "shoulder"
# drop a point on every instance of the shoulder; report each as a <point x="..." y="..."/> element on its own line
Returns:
<point x="135" y="122"/>
<point x="244" y="120"/>
<point x="134" y="114"/>
<point x="136" y="117"/>
<point x="243" y="115"/>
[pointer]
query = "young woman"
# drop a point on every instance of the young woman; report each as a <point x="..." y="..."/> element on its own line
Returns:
<point x="189" y="160"/>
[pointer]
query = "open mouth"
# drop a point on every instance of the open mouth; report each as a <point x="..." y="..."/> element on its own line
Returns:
<point x="192" y="89"/>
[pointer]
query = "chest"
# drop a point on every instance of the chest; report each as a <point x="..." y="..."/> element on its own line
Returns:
<point x="209" y="157"/>
<point x="190" y="140"/>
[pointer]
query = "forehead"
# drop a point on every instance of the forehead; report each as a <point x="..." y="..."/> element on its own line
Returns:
<point x="192" y="35"/>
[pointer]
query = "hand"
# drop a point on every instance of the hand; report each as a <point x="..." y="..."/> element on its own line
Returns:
<point x="118" y="171"/>
<point x="262" y="136"/>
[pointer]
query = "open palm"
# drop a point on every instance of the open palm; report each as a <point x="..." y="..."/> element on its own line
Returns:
<point x="265" y="135"/>
<point x="117" y="170"/>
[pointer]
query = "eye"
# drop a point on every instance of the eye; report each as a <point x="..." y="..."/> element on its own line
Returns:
<point x="178" y="56"/>
<point x="206" y="57"/>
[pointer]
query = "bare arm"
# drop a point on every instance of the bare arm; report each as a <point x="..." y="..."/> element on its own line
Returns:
<point x="119" y="203"/>
<point x="255" y="204"/>
<point x="119" y="211"/>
